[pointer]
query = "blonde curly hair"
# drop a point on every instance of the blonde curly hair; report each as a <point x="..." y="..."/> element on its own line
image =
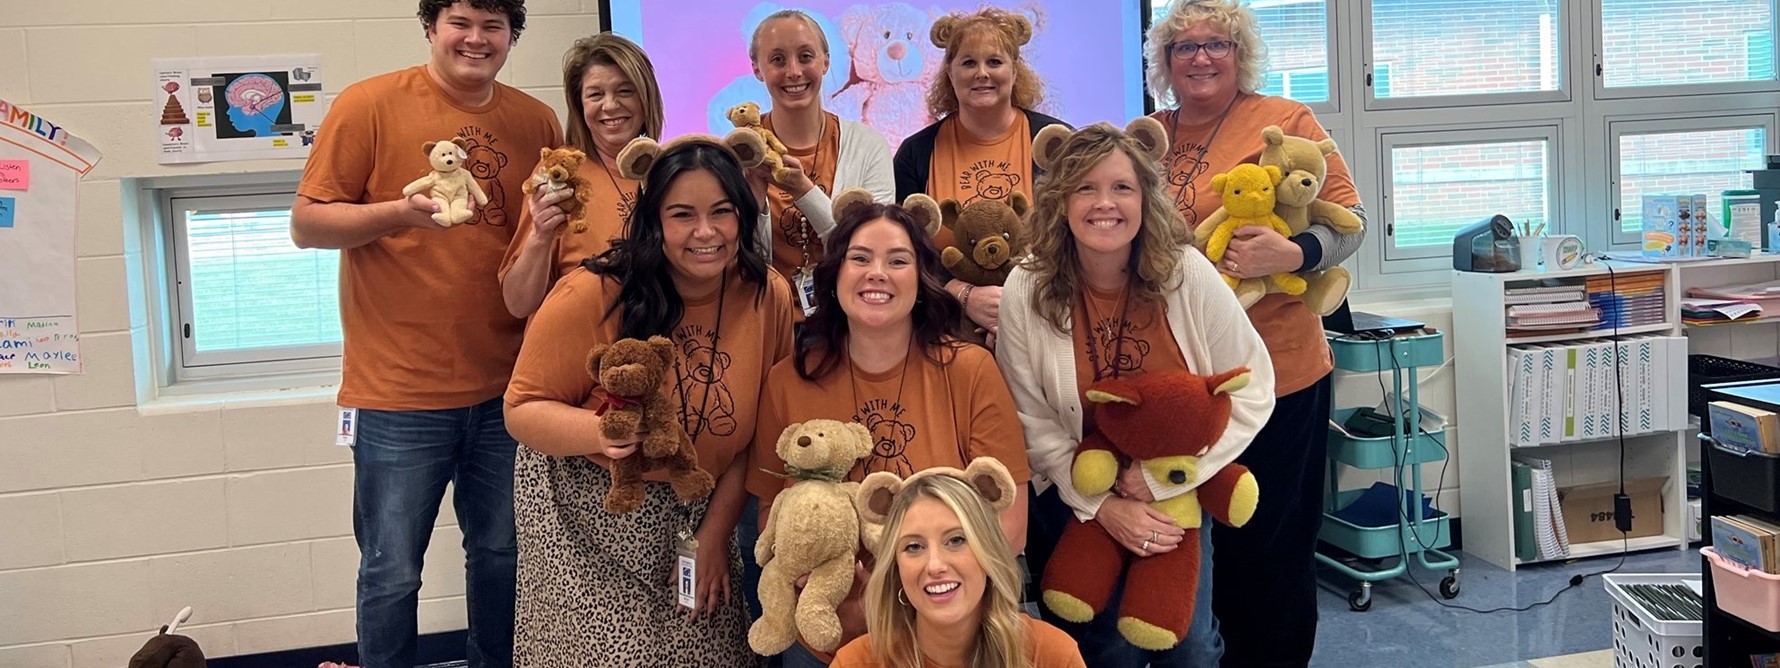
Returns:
<point x="1054" y="262"/>
<point x="1228" y="16"/>
<point x="1009" y="30"/>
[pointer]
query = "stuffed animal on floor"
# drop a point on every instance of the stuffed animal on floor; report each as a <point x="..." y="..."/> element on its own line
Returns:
<point x="812" y="530"/>
<point x="559" y="169"/>
<point x="632" y="373"/>
<point x="1163" y="421"/>
<point x="987" y="236"/>
<point x="746" y="116"/>
<point x="1249" y="195"/>
<point x="640" y="154"/>
<point x="168" y="650"/>
<point x="877" y="493"/>
<point x="1305" y="167"/>
<point x="449" y="185"/>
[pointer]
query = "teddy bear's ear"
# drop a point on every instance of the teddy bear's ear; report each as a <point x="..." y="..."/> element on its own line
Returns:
<point x="637" y="157"/>
<point x="543" y="152"/>
<point x="1047" y="147"/>
<point x="663" y="347"/>
<point x="941" y="33"/>
<point x="950" y="210"/>
<point x="1327" y="146"/>
<point x="991" y="479"/>
<point x="1274" y="174"/>
<point x="1217" y="182"/>
<point x="862" y="440"/>
<point x="1149" y="134"/>
<point x="925" y="211"/>
<point x="427" y="148"/>
<point x="749" y="147"/>
<point x="875" y="496"/>
<point x="462" y="144"/>
<point x="848" y="200"/>
<point x="1116" y="390"/>
<point x="1273" y="136"/>
<point x="593" y="359"/>
<point x="1228" y="381"/>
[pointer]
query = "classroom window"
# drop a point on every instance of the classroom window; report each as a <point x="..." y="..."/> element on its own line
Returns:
<point x="1435" y="188"/>
<point x="1686" y="43"/>
<point x="1659" y="161"/>
<point x="1467" y="48"/>
<point x="1297" y="37"/>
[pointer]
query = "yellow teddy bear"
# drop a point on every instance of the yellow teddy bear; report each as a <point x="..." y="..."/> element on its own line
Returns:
<point x="1249" y="196"/>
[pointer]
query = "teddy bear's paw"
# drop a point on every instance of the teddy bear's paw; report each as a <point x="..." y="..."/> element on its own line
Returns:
<point x="622" y="501"/>
<point x="1250" y="291"/>
<point x="693" y="485"/>
<point x="1291" y="284"/>
<point x="768" y="639"/>
<point x="1325" y="294"/>
<point x="1095" y="471"/>
<point x="1146" y="635"/>
<point x="1231" y="281"/>
<point x="1068" y="607"/>
<point x="1244" y="499"/>
<point x="820" y="628"/>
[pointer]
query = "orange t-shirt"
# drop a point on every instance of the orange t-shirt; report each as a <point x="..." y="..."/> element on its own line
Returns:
<point x="1122" y="339"/>
<point x="795" y="242"/>
<point x="718" y="375"/>
<point x="968" y="170"/>
<point x="608" y="211"/>
<point x="424" y="322"/>
<point x="932" y="415"/>
<point x="1047" y="646"/>
<point x="1294" y="335"/>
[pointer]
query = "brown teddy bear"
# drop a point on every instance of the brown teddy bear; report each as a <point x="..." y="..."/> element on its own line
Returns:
<point x="632" y="373"/>
<point x="877" y="493"/>
<point x="640" y="154"/>
<point x="987" y="237"/>
<point x="813" y="530"/>
<point x="1305" y="165"/>
<point x="450" y="184"/>
<point x="746" y="116"/>
<point x="560" y="169"/>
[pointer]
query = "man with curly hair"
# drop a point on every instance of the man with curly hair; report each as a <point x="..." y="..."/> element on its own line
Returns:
<point x="428" y="342"/>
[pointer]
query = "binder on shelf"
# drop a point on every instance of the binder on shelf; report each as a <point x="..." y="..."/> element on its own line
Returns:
<point x="1526" y="546"/>
<point x="1552" y="539"/>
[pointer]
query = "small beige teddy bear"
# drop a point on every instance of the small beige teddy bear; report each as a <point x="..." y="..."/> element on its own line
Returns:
<point x="451" y="185"/>
<point x="747" y="116"/>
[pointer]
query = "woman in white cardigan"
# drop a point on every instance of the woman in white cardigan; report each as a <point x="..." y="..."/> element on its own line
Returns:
<point x="827" y="154"/>
<point x="1112" y="289"/>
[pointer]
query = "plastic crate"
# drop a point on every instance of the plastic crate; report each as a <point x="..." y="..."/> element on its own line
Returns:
<point x="1381" y="453"/>
<point x="1704" y="369"/>
<point x="1751" y="478"/>
<point x="1400" y="352"/>
<point x="1751" y="595"/>
<point x="1641" y="639"/>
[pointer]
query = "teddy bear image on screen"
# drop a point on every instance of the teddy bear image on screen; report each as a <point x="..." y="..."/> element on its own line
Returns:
<point x="893" y="59"/>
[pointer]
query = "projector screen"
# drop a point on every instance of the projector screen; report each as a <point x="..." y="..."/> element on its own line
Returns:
<point x="1089" y="55"/>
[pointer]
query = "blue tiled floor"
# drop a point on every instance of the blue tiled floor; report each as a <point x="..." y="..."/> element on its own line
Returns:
<point x="1405" y="628"/>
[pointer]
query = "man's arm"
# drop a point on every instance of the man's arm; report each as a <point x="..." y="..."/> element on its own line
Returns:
<point x="345" y="225"/>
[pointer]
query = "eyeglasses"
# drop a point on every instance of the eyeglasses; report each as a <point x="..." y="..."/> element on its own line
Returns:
<point x="1215" y="49"/>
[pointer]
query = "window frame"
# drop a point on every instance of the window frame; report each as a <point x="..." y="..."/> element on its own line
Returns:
<point x="180" y="362"/>
<point x="1566" y="17"/>
<point x="1394" y="260"/>
<point x="1332" y="39"/>
<point x="1598" y="28"/>
<point x="1618" y="126"/>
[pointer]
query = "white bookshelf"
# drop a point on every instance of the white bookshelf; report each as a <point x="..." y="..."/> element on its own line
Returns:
<point x="1480" y="344"/>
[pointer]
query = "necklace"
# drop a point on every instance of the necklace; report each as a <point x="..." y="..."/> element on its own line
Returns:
<point x="853" y="377"/>
<point x="1118" y="346"/>
<point x="1199" y="160"/>
<point x="704" y="404"/>
<point x="806" y="232"/>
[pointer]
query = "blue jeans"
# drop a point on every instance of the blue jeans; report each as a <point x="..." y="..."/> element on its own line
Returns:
<point x="401" y="463"/>
<point x="1102" y="645"/>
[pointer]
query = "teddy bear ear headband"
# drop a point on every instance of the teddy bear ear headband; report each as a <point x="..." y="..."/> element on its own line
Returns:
<point x="1047" y="147"/>
<point x="923" y="208"/>
<point x="641" y="153"/>
<point x="1016" y="27"/>
<point x="877" y="493"/>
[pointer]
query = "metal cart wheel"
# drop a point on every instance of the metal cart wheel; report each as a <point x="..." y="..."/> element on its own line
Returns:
<point x="1360" y="600"/>
<point x="1449" y="586"/>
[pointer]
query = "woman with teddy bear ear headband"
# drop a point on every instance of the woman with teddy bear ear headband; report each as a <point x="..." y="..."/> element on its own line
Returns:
<point x="981" y="146"/>
<point x="827" y="155"/>
<point x="878" y="352"/>
<point x="1206" y="60"/>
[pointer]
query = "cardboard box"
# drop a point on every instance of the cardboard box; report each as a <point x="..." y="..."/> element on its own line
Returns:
<point x="1588" y="509"/>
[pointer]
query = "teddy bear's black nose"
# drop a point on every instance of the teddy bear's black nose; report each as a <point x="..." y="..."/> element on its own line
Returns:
<point x="1177" y="477"/>
<point x="803" y="441"/>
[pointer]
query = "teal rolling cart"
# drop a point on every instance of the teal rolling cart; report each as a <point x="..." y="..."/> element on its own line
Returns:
<point x="1415" y="532"/>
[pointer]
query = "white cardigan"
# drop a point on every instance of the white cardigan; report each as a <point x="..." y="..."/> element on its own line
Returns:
<point x="1213" y="333"/>
<point x="864" y="162"/>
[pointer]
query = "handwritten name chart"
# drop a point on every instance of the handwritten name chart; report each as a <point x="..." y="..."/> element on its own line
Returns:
<point x="40" y="169"/>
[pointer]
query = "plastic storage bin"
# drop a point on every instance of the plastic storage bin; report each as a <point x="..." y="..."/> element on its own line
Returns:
<point x="1752" y="595"/>
<point x="1643" y="640"/>
<point x="1380" y="453"/>
<point x="1703" y="369"/>
<point x="1386" y="541"/>
<point x="1408" y="351"/>
<point x="1746" y="477"/>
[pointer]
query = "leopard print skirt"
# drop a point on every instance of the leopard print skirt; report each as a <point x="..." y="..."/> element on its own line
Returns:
<point x="596" y="589"/>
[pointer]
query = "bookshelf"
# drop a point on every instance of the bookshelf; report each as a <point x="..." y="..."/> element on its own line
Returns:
<point x="1730" y="640"/>
<point x="1482" y="344"/>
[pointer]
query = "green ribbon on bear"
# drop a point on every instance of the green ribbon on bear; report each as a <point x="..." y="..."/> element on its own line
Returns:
<point x="800" y="474"/>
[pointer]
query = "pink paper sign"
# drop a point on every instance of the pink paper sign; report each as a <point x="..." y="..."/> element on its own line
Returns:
<point x="15" y="174"/>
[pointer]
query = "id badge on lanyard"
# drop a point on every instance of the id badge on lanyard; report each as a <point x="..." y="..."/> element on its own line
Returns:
<point x="805" y="283"/>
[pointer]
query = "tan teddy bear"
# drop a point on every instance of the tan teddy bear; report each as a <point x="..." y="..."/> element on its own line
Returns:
<point x="632" y="373"/>
<point x="746" y="116"/>
<point x="877" y="493"/>
<point x="560" y="169"/>
<point x="1249" y="192"/>
<point x="813" y="530"/>
<point x="1305" y="166"/>
<point x="451" y="185"/>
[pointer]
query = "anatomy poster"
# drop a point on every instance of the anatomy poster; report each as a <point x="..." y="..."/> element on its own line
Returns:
<point x="237" y="108"/>
<point x="40" y="169"/>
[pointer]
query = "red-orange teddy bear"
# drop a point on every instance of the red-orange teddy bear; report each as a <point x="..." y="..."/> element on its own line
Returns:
<point x="1163" y="422"/>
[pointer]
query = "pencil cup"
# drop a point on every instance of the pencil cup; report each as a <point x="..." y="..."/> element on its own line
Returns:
<point x="1529" y="252"/>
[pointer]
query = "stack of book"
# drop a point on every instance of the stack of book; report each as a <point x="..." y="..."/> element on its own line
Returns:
<point x="1751" y="542"/>
<point x="1744" y="428"/>
<point x="1628" y="299"/>
<point x="1699" y="311"/>
<point x="1554" y="307"/>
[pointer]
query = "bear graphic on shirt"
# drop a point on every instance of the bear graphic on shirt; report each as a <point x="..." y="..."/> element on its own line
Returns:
<point x="891" y="437"/>
<point x="1112" y="350"/>
<point x="707" y="406"/>
<point x="485" y="162"/>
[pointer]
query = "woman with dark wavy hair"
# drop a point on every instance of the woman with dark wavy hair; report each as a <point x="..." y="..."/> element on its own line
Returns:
<point x="594" y="585"/>
<point x="877" y="352"/>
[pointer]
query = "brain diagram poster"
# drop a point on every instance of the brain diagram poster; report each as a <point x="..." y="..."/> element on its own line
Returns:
<point x="237" y="108"/>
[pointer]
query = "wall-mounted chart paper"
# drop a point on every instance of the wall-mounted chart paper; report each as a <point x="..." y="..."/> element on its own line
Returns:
<point x="237" y="107"/>
<point x="38" y="333"/>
